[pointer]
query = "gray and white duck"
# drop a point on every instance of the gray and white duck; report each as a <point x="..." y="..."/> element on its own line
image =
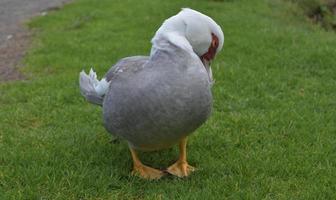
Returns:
<point x="156" y="101"/>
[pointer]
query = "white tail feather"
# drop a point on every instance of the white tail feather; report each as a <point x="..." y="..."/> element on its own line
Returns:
<point x="102" y="87"/>
<point x="91" y="88"/>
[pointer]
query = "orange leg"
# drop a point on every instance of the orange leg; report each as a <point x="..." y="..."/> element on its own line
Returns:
<point x="181" y="168"/>
<point x="142" y="170"/>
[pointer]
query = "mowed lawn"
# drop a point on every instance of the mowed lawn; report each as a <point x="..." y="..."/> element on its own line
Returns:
<point x="272" y="134"/>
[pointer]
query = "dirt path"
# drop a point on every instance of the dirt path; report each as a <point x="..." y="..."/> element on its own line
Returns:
<point x="14" y="37"/>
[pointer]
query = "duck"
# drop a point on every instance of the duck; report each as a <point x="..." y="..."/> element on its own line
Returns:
<point x="155" y="102"/>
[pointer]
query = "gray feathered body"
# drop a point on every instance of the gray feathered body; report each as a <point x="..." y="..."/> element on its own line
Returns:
<point x="153" y="102"/>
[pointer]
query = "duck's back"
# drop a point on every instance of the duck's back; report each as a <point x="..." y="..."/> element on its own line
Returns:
<point x="157" y="101"/>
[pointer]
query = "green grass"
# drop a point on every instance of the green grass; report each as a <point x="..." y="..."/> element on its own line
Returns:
<point x="272" y="134"/>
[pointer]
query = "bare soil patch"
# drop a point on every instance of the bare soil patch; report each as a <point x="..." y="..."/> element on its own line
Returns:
<point x="14" y="36"/>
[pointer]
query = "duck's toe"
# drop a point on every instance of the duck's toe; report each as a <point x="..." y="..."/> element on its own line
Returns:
<point x="147" y="172"/>
<point x="180" y="169"/>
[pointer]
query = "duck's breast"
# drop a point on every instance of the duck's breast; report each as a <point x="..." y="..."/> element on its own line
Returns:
<point x="159" y="104"/>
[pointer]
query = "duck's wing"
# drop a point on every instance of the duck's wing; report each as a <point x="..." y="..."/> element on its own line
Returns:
<point x="126" y="65"/>
<point x="94" y="90"/>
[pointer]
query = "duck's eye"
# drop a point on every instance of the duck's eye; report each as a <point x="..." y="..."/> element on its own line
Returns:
<point x="214" y="42"/>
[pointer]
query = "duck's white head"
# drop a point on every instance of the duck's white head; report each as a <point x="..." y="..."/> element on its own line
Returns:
<point x="193" y="32"/>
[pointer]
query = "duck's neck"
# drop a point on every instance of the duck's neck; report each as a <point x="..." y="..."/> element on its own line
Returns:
<point x="164" y="41"/>
<point x="171" y="32"/>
